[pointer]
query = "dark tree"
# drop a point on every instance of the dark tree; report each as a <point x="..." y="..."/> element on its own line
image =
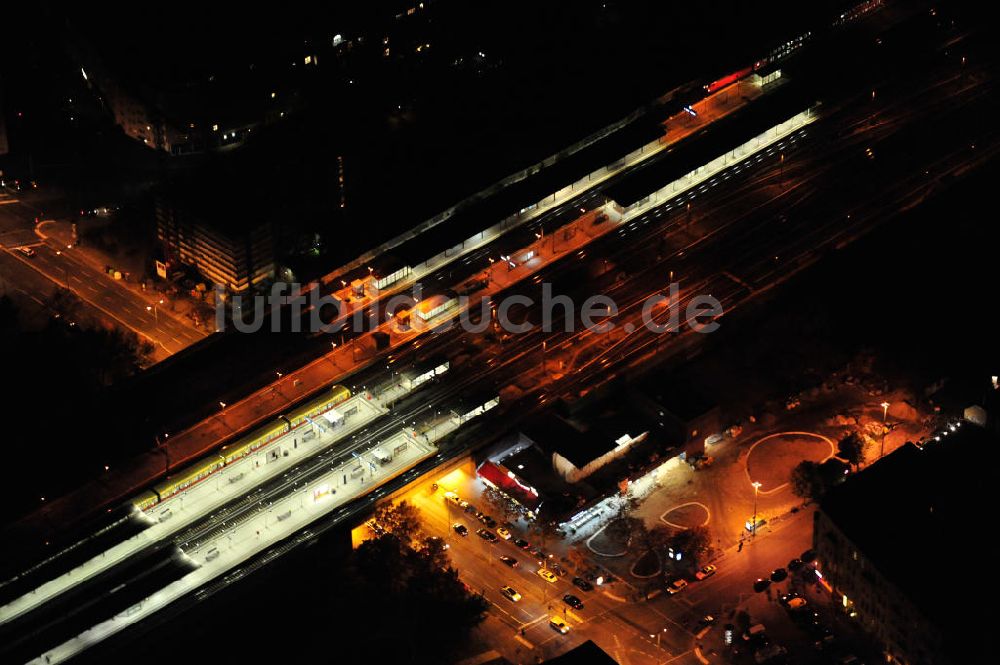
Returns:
<point x="694" y="544"/>
<point x="852" y="449"/>
<point x="807" y="481"/>
<point x="400" y="519"/>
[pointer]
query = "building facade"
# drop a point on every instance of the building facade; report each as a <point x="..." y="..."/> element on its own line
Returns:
<point x="236" y="259"/>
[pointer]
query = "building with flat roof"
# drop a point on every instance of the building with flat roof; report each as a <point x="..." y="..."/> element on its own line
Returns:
<point x="237" y="258"/>
<point x="899" y="546"/>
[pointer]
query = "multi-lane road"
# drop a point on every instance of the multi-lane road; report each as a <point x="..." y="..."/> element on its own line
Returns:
<point x="53" y="266"/>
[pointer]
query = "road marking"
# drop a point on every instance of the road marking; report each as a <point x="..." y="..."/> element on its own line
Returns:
<point x="523" y="641"/>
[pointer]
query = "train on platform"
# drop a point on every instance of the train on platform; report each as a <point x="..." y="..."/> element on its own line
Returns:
<point x="237" y="450"/>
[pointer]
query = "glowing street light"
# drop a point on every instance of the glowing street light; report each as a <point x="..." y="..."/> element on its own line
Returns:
<point x="756" y="488"/>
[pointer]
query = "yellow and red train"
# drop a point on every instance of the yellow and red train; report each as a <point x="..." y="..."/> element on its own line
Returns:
<point x="240" y="448"/>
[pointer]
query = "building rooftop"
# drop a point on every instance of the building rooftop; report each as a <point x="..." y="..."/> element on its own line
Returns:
<point x="587" y="653"/>
<point x="723" y="135"/>
<point x="917" y="514"/>
<point x="676" y="394"/>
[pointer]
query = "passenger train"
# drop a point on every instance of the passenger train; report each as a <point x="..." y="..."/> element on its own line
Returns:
<point x="240" y="448"/>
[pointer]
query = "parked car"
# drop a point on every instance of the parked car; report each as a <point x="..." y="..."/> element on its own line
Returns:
<point x="487" y="535"/>
<point x="522" y="543"/>
<point x="460" y="529"/>
<point x="705" y="572"/>
<point x="795" y="564"/>
<point x="503" y="533"/>
<point x="26" y="251"/>
<point x="677" y="586"/>
<point x="779" y="574"/>
<point x="510" y="593"/>
<point x="573" y="601"/>
<point x="761" y="584"/>
<point x="509" y="560"/>
<point x="547" y="575"/>
<point x="487" y="520"/>
<point x="452" y="498"/>
<point x="438" y="539"/>
<point x="472" y="510"/>
<point x="583" y="584"/>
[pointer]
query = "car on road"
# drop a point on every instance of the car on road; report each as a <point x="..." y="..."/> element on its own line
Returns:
<point x="460" y="529"/>
<point x="547" y="575"/>
<point x="509" y="593"/>
<point x="573" y="601"/>
<point x="487" y="535"/>
<point x="503" y="533"/>
<point x="559" y="625"/>
<point x="677" y="586"/>
<point x="779" y="575"/>
<point x="583" y="584"/>
<point x="705" y="572"/>
<point x="487" y="520"/>
<point x="26" y="251"/>
<point x="796" y="603"/>
<point x="761" y="584"/>
<point x="522" y="543"/>
<point x="509" y="560"/>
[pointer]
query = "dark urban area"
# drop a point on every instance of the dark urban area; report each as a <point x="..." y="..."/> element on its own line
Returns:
<point x="485" y="333"/>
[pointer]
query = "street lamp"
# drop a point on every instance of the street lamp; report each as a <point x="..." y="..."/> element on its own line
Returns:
<point x="756" y="488"/>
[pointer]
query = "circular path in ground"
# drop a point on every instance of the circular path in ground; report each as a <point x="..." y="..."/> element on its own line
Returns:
<point x="687" y="515"/>
<point x="772" y="458"/>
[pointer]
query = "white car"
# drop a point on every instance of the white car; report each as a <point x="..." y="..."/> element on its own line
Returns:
<point x="509" y="592"/>
<point x="677" y="586"/>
